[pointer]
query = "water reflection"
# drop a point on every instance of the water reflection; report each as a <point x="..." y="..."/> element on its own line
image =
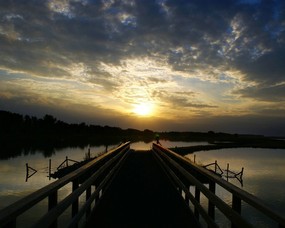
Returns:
<point x="13" y="185"/>
<point x="165" y="143"/>
<point x="264" y="173"/>
<point x="264" y="176"/>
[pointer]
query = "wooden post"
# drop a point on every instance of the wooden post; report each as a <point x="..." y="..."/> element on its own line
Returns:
<point x="88" y="195"/>
<point x="241" y="173"/>
<point x="66" y="161"/>
<point x="27" y="172"/>
<point x="28" y="175"/>
<point x="236" y="206"/>
<point x="49" y="169"/>
<point x="186" y="197"/>
<point x="215" y="166"/>
<point x="52" y="202"/>
<point x="228" y="167"/>
<point x="197" y="198"/>
<point x="211" y="206"/>
<point x="75" y="205"/>
<point x="97" y="198"/>
<point x="194" y="158"/>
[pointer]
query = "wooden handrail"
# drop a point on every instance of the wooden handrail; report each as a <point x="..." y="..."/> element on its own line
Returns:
<point x="236" y="192"/>
<point x="220" y="204"/>
<point x="197" y="205"/>
<point x="10" y="213"/>
<point x="52" y="215"/>
<point x="104" y="184"/>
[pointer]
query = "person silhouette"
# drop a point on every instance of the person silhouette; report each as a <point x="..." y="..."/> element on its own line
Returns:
<point x="157" y="139"/>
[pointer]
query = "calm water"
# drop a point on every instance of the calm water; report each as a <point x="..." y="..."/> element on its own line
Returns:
<point x="264" y="175"/>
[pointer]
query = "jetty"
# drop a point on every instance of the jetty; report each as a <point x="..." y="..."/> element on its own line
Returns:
<point x="131" y="188"/>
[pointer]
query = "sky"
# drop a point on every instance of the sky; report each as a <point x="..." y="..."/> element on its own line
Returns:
<point x="165" y="65"/>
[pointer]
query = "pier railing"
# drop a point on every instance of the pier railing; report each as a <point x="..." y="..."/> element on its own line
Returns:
<point x="98" y="172"/>
<point x="185" y="173"/>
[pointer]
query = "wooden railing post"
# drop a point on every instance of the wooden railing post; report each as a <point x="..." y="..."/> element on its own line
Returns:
<point x="187" y="200"/>
<point x="97" y="198"/>
<point x="88" y="194"/>
<point x="211" y="206"/>
<point x="52" y="202"/>
<point x="236" y="205"/>
<point x="49" y="169"/>
<point x="66" y="161"/>
<point x="75" y="185"/>
<point x="197" y="198"/>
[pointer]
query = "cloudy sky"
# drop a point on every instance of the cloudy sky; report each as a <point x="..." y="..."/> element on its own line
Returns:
<point x="183" y="65"/>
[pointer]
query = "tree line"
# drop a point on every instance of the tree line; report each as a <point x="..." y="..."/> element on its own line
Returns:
<point x="27" y="134"/>
<point x="13" y="124"/>
<point x="46" y="133"/>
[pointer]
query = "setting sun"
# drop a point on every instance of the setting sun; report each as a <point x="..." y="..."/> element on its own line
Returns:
<point x="143" y="109"/>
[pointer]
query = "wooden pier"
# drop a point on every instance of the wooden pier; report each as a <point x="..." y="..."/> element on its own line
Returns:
<point x="127" y="188"/>
<point x="142" y="196"/>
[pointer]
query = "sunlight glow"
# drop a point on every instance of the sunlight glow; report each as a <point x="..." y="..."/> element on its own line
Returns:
<point x="143" y="109"/>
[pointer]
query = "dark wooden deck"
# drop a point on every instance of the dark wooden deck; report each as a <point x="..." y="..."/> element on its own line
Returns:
<point x="141" y="195"/>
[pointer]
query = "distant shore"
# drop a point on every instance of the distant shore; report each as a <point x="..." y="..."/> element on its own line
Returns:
<point x="29" y="134"/>
<point x="260" y="143"/>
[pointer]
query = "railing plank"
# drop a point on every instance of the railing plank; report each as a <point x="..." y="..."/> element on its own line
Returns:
<point x="243" y="195"/>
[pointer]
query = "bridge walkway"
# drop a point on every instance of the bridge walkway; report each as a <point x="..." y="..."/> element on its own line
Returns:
<point x="141" y="195"/>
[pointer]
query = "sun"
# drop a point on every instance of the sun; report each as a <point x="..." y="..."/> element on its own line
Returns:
<point x="143" y="109"/>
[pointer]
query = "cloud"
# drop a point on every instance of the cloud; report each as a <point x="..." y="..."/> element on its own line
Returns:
<point x="274" y="93"/>
<point x="180" y="100"/>
<point x="200" y="55"/>
<point x="188" y="35"/>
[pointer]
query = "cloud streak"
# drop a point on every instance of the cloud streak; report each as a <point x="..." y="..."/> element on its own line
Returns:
<point x="200" y="57"/>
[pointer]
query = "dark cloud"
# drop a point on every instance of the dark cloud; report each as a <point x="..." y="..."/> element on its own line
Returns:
<point x="180" y="100"/>
<point x="268" y="69"/>
<point x="49" y="38"/>
<point x="272" y="93"/>
<point x="110" y="31"/>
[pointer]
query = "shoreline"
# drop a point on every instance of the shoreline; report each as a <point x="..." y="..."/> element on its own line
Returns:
<point x="272" y="144"/>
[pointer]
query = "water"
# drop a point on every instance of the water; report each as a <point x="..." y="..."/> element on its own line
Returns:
<point x="166" y="144"/>
<point x="13" y="184"/>
<point x="264" y="175"/>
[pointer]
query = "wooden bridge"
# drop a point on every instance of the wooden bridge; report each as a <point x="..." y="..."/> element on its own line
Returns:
<point x="127" y="188"/>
